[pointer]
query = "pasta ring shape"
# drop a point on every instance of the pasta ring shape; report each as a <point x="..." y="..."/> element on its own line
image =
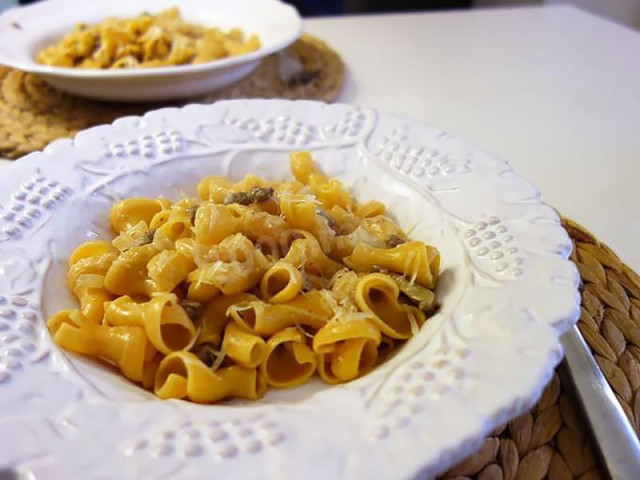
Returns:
<point x="289" y="361"/>
<point x="378" y="294"/>
<point x="281" y="283"/>
<point x="353" y="358"/>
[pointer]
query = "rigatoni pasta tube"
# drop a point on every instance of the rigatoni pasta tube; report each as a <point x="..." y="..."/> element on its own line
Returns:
<point x="281" y="283"/>
<point x="92" y="295"/>
<point x="236" y="248"/>
<point x="335" y="332"/>
<point x="187" y="248"/>
<point x="386" y="346"/>
<point x="91" y="249"/>
<point x="415" y="260"/>
<point x="323" y="368"/>
<point x="202" y="292"/>
<point x="215" y="318"/>
<point x="149" y="370"/>
<point x="370" y="209"/>
<point x="230" y="278"/>
<point x="266" y="319"/>
<point x="249" y="181"/>
<point x="245" y="348"/>
<point x="306" y="253"/>
<point x="382" y="228"/>
<point x="125" y="346"/>
<point x="213" y="188"/>
<point x="328" y="191"/>
<point x="289" y="361"/>
<point x="159" y="219"/>
<point x="128" y="275"/>
<point x="167" y="324"/>
<point x="128" y="212"/>
<point x="184" y="375"/>
<point x="259" y="226"/>
<point x="354" y="358"/>
<point x="175" y="226"/>
<point x="378" y="294"/>
<point x="238" y="266"/>
<point x="343" y="288"/>
<point x="300" y="211"/>
<point x="90" y="265"/>
<point x="168" y="268"/>
<point x="214" y="223"/>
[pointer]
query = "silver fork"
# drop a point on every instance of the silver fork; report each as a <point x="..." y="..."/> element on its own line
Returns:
<point x="615" y="439"/>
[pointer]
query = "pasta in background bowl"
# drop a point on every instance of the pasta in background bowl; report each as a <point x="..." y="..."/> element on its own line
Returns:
<point x="483" y="358"/>
<point x="28" y="30"/>
<point x="146" y="41"/>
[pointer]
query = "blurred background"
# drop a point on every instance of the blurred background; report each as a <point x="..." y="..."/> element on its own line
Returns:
<point x="626" y="12"/>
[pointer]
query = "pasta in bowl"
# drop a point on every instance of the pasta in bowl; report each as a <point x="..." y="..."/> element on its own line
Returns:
<point x="250" y="284"/>
<point x="146" y="41"/>
<point x="147" y="50"/>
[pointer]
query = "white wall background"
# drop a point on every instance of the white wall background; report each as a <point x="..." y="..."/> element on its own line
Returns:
<point x="626" y="12"/>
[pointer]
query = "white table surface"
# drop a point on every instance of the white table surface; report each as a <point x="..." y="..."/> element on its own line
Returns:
<point x="553" y="90"/>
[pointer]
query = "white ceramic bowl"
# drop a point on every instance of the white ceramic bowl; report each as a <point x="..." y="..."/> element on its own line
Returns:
<point x="507" y="291"/>
<point x="26" y="30"/>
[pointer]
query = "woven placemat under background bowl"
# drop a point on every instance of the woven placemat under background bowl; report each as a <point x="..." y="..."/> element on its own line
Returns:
<point x="550" y="441"/>
<point x="32" y="114"/>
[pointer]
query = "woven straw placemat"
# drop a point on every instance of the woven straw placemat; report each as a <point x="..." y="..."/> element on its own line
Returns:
<point x="32" y="114"/>
<point x="551" y="441"/>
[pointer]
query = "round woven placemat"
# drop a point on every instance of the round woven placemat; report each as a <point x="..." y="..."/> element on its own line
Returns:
<point x="32" y="114"/>
<point x="550" y="441"/>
